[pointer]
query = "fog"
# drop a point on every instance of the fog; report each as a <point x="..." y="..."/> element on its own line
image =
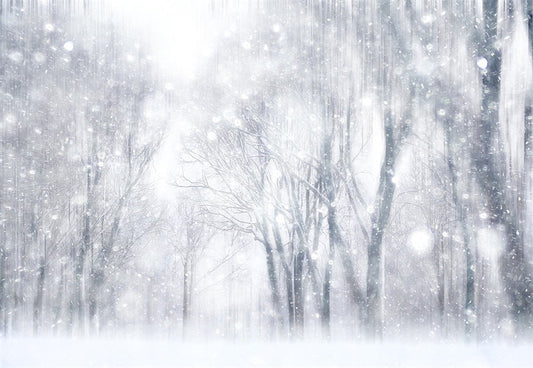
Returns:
<point x="266" y="171"/>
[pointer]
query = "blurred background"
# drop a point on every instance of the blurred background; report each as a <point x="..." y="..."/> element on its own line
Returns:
<point x="266" y="169"/>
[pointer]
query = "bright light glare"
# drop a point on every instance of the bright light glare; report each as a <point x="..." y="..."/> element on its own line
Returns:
<point x="421" y="241"/>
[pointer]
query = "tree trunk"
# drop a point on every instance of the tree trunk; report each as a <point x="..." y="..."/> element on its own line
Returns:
<point x="290" y="302"/>
<point x="274" y="285"/>
<point x="38" y="301"/>
<point x="312" y="266"/>
<point x="289" y="279"/>
<point x="299" y="293"/>
<point x="461" y="209"/>
<point x="380" y="217"/>
<point x="326" y="291"/>
<point x="96" y="281"/>
<point x="515" y="274"/>
<point x="438" y="258"/>
<point x="57" y="309"/>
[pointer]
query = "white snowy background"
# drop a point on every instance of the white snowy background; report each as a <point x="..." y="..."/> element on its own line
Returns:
<point x="266" y="183"/>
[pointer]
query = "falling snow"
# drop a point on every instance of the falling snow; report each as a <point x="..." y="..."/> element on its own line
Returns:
<point x="354" y="176"/>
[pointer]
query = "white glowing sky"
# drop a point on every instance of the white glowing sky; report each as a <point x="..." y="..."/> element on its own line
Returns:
<point x="177" y="31"/>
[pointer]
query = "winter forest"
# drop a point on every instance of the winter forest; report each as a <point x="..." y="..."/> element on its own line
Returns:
<point x="267" y="170"/>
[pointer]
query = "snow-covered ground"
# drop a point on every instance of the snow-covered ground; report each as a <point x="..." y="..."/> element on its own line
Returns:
<point x="58" y="353"/>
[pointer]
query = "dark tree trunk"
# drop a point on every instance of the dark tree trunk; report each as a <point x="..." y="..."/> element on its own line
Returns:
<point x="97" y="276"/>
<point x="289" y="280"/>
<point x="57" y="309"/>
<point x="312" y="266"/>
<point x="38" y="301"/>
<point x="461" y="209"/>
<point x="290" y="302"/>
<point x="299" y="301"/>
<point x="438" y="254"/>
<point x="274" y="285"/>
<point x="380" y="217"/>
<point x="490" y="177"/>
